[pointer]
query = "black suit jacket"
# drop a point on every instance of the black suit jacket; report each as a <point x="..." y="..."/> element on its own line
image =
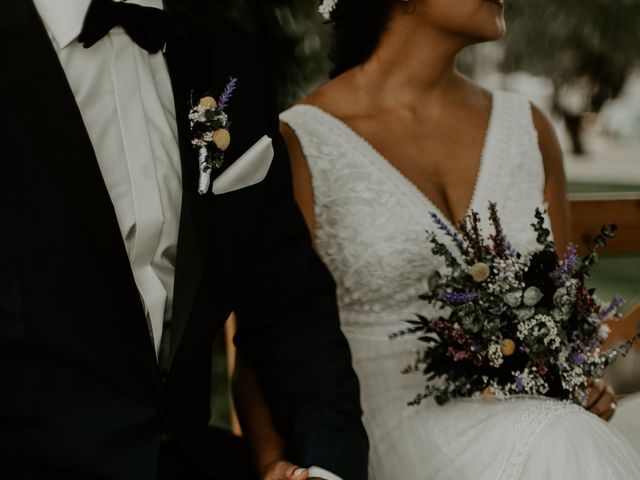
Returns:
<point x="82" y="395"/>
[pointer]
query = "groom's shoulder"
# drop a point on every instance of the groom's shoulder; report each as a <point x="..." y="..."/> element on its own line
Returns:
<point x="228" y="47"/>
<point x="15" y="14"/>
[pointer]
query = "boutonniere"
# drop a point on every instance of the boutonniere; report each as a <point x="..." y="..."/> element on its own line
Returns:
<point x="210" y="132"/>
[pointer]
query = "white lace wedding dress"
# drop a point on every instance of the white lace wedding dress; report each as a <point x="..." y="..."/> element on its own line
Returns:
<point x="370" y="231"/>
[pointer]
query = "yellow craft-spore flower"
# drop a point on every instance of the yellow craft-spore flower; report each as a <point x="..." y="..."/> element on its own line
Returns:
<point x="480" y="272"/>
<point x="508" y="347"/>
<point x="221" y="138"/>
<point x="208" y="102"/>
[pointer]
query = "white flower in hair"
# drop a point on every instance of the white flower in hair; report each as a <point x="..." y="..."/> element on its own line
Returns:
<point x="327" y="7"/>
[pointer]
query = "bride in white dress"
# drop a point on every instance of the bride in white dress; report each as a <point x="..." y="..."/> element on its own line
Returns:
<point x="369" y="223"/>
<point x="395" y="135"/>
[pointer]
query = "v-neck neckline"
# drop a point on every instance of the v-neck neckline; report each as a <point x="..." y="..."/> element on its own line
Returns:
<point x="394" y="170"/>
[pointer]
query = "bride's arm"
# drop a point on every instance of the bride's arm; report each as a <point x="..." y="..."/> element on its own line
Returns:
<point x="555" y="191"/>
<point x="253" y="412"/>
<point x="602" y="398"/>
<point x="302" y="187"/>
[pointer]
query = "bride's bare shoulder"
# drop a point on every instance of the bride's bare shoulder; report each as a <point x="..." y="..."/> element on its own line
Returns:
<point x="474" y="95"/>
<point x="334" y="96"/>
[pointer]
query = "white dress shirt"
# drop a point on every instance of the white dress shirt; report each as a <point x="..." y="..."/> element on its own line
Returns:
<point x="125" y="97"/>
<point x="126" y="101"/>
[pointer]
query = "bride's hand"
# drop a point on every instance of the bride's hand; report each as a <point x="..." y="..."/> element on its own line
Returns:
<point x="602" y="399"/>
<point x="283" y="470"/>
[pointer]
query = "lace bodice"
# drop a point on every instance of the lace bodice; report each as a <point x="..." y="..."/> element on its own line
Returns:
<point x="371" y="221"/>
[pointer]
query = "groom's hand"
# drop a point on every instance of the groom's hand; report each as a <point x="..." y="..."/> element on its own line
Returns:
<point x="283" y="470"/>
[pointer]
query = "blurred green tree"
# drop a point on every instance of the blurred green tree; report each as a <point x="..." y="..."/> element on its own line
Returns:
<point x="587" y="48"/>
<point x="570" y="40"/>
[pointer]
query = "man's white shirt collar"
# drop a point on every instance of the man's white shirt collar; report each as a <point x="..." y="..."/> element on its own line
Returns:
<point x="64" y="18"/>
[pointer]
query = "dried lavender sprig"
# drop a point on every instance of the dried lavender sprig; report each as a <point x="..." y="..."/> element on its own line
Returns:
<point x="464" y="297"/>
<point x="578" y="358"/>
<point x="511" y="250"/>
<point x="571" y="259"/>
<point x="227" y="93"/>
<point x="612" y="308"/>
<point x="568" y="266"/>
<point x="441" y="224"/>
<point x="441" y="250"/>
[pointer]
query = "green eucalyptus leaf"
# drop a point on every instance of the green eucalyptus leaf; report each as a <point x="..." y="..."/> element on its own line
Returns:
<point x="525" y="313"/>
<point x="513" y="298"/>
<point x="532" y="296"/>
<point x="609" y="231"/>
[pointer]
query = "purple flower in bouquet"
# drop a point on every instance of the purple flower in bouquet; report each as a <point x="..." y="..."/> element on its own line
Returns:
<point x="460" y="297"/>
<point x="567" y="267"/>
<point x="612" y="308"/>
<point x="442" y="225"/>
<point x="578" y="358"/>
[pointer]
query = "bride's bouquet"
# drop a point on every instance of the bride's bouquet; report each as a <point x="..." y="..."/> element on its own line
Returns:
<point x="513" y="323"/>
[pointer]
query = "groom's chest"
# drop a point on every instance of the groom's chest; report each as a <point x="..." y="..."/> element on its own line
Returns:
<point x="114" y="147"/>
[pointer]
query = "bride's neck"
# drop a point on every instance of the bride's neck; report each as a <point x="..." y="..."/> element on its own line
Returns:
<point x="412" y="63"/>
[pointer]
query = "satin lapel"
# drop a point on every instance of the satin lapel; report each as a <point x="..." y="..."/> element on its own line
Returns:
<point x="40" y="83"/>
<point x="188" y="77"/>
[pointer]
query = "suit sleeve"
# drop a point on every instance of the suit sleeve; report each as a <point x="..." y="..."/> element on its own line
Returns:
<point x="290" y="330"/>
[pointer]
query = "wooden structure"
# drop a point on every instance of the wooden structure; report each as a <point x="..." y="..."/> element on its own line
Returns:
<point x="588" y="213"/>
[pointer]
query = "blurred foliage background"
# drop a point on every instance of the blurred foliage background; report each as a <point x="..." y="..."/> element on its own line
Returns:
<point x="571" y="39"/>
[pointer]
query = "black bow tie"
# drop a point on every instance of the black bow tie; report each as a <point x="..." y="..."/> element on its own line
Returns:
<point x="149" y="27"/>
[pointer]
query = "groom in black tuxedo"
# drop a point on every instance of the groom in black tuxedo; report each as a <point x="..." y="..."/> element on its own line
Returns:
<point x="116" y="274"/>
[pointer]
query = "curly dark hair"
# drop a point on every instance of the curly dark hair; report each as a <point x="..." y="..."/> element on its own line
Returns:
<point x="357" y="29"/>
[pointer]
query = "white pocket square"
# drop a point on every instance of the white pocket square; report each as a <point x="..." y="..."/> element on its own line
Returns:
<point x="249" y="169"/>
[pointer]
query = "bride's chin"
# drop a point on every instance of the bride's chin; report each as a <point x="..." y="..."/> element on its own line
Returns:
<point x="484" y="29"/>
<point x="495" y="31"/>
<point x="483" y="37"/>
<point x="498" y="34"/>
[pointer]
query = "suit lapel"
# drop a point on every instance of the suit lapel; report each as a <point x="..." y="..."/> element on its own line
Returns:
<point x="65" y="147"/>
<point x="188" y="77"/>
